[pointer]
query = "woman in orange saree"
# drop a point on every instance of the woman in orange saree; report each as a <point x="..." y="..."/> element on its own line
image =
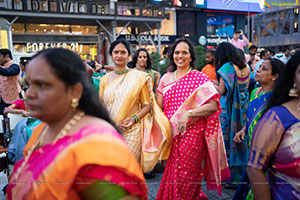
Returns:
<point x="76" y="153"/>
<point x="191" y="103"/>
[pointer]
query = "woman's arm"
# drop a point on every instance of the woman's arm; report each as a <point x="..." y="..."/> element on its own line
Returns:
<point x="259" y="183"/>
<point x="221" y="88"/>
<point x="207" y="109"/>
<point x="157" y="77"/>
<point x="160" y="100"/>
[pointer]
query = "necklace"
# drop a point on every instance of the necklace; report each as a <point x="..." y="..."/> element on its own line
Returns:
<point x="121" y="71"/>
<point x="62" y="133"/>
<point x="190" y="69"/>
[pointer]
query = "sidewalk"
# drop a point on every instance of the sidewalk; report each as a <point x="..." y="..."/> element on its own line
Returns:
<point x="153" y="185"/>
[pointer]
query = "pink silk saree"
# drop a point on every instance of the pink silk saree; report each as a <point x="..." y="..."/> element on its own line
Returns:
<point x="199" y="152"/>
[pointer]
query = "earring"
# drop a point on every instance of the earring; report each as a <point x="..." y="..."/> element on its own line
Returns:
<point x="293" y="92"/>
<point x="74" y="103"/>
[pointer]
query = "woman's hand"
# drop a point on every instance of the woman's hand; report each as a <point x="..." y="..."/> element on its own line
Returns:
<point x="239" y="136"/>
<point x="182" y="123"/>
<point x="127" y="123"/>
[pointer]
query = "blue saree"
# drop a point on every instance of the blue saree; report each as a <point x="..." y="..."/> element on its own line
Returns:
<point x="234" y="104"/>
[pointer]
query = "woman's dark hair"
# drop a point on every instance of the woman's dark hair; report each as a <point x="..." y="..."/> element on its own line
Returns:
<point x="70" y="69"/>
<point x="277" y="66"/>
<point x="118" y="41"/>
<point x="285" y="82"/>
<point x="136" y="55"/>
<point x="173" y="66"/>
<point x="226" y="52"/>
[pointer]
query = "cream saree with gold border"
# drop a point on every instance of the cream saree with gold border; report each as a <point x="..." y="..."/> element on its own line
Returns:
<point x="149" y="139"/>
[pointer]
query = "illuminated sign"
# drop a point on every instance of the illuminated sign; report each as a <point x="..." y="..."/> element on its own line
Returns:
<point x="235" y="5"/>
<point x="182" y="3"/>
<point x="36" y="47"/>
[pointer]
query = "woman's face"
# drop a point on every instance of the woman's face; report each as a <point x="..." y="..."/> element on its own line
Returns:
<point x="142" y="59"/>
<point x="182" y="56"/>
<point x="120" y="55"/>
<point x="47" y="97"/>
<point x="264" y="73"/>
<point x="297" y="78"/>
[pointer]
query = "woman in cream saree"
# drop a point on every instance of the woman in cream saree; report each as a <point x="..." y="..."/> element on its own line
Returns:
<point x="130" y="102"/>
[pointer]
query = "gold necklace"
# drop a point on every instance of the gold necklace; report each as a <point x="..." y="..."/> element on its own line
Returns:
<point x="190" y="69"/>
<point x="62" y="133"/>
<point x="121" y="71"/>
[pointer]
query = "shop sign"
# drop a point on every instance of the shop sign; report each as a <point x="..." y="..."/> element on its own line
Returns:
<point x="35" y="47"/>
<point x="146" y="39"/>
<point x="215" y="41"/>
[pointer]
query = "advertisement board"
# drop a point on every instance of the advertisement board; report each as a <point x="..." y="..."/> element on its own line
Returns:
<point x="236" y="5"/>
<point x="183" y="3"/>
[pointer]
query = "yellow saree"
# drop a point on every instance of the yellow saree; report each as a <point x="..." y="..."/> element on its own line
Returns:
<point x="149" y="139"/>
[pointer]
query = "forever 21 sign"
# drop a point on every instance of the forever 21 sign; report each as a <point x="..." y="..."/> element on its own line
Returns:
<point x="35" y="47"/>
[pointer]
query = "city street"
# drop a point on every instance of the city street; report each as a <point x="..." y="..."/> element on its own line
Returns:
<point x="153" y="185"/>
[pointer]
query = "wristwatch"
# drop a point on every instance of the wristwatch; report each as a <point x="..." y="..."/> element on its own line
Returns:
<point x="190" y="113"/>
<point x="102" y="66"/>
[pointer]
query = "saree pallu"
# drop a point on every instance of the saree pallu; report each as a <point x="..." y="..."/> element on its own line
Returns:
<point x="275" y="149"/>
<point x="233" y="117"/>
<point x="202" y="141"/>
<point x="150" y="138"/>
<point x="255" y="110"/>
<point x="52" y="169"/>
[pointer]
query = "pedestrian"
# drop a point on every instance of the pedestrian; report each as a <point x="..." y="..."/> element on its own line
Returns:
<point x="276" y="140"/>
<point x="77" y="152"/>
<point x="9" y="85"/>
<point x="128" y="96"/>
<point x="142" y="61"/>
<point x="264" y="54"/>
<point x="252" y="59"/>
<point x="237" y="42"/>
<point x="233" y="87"/>
<point x="209" y="69"/>
<point x="286" y="56"/>
<point x="191" y="103"/>
<point x="267" y="76"/>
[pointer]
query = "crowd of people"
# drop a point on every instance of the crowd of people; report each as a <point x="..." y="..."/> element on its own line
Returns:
<point x="91" y="133"/>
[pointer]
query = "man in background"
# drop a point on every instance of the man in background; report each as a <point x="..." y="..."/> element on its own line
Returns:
<point x="9" y="86"/>
<point x="285" y="58"/>
<point x="209" y="68"/>
<point x="252" y="59"/>
<point x="239" y="43"/>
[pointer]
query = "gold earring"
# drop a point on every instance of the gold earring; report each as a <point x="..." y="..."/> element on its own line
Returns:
<point x="293" y="92"/>
<point x="74" y="103"/>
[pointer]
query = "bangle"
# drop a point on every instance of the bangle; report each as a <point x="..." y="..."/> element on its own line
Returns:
<point x="102" y="66"/>
<point x="190" y="113"/>
<point x="135" y="118"/>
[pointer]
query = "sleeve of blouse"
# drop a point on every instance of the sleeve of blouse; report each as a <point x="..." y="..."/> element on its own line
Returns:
<point x="266" y="137"/>
<point x="145" y="95"/>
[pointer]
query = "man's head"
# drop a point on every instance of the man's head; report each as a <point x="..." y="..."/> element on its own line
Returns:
<point x="236" y="34"/>
<point x="210" y="56"/>
<point x="252" y="50"/>
<point x="5" y="56"/>
<point x="264" y="54"/>
<point x="286" y="52"/>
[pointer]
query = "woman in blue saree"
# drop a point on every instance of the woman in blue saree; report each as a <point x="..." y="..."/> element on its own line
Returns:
<point x="276" y="140"/>
<point x="234" y="78"/>
<point x="266" y="76"/>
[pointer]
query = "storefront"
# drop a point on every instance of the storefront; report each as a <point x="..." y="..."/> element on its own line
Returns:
<point x="86" y="27"/>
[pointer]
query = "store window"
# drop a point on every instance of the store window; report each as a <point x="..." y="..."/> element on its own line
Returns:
<point x="220" y="25"/>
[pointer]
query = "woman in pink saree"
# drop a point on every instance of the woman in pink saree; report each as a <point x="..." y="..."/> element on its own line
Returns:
<point x="191" y="103"/>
